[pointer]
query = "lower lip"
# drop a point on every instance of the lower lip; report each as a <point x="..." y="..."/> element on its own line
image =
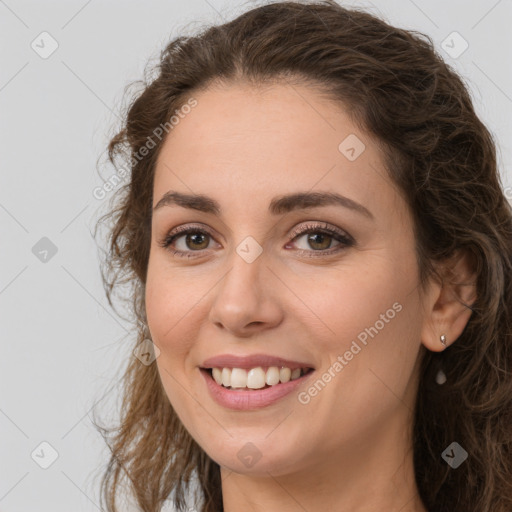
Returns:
<point x="255" y="399"/>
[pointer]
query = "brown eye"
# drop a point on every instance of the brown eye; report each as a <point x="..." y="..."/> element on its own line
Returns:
<point x="189" y="242"/>
<point x="191" y="239"/>
<point x="197" y="240"/>
<point x="318" y="239"/>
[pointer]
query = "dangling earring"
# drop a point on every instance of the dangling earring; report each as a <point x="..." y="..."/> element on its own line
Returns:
<point x="441" y="377"/>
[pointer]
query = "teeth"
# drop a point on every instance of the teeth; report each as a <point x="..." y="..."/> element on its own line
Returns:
<point x="255" y="378"/>
<point x="226" y="377"/>
<point x="285" y="374"/>
<point x="295" y="374"/>
<point x="238" y="378"/>
<point x="272" y="376"/>
<point x="217" y="375"/>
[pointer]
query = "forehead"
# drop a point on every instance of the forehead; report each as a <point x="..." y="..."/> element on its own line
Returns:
<point x="245" y="145"/>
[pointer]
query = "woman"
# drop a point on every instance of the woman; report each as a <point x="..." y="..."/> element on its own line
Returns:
<point x="320" y="254"/>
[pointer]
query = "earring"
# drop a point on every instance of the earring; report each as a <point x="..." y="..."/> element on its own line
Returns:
<point x="440" y="377"/>
<point x="443" y="340"/>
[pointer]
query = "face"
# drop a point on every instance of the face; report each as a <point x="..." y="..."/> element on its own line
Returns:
<point x="331" y="286"/>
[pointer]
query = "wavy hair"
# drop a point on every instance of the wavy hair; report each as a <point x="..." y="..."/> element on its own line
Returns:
<point x="442" y="158"/>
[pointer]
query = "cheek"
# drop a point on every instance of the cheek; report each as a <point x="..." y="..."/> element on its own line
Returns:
<point x="369" y="316"/>
<point x="369" y="358"/>
<point x="171" y="319"/>
<point x="339" y="304"/>
<point x="170" y="304"/>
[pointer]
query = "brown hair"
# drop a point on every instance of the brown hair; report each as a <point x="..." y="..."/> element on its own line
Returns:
<point x="442" y="158"/>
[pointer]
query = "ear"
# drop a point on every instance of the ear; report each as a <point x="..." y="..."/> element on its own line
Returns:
<point x="448" y="303"/>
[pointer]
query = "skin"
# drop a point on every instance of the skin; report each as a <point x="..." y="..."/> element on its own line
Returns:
<point x="349" y="448"/>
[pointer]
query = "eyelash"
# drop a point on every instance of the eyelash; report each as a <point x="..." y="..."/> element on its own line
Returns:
<point x="346" y="240"/>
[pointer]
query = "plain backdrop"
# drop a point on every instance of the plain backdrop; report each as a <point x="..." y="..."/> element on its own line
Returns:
<point x="61" y="344"/>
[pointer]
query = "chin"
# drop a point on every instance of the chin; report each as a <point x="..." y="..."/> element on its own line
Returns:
<point x="250" y="458"/>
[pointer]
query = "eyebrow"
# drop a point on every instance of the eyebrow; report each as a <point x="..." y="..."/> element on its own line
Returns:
<point x="278" y="205"/>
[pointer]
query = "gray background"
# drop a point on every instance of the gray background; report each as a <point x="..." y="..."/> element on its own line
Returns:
<point x="62" y="346"/>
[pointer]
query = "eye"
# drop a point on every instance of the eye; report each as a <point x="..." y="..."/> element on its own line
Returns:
<point x="319" y="237"/>
<point x="194" y="238"/>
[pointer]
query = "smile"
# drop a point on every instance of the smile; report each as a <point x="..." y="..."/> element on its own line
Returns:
<point x="231" y="388"/>
<point x="256" y="378"/>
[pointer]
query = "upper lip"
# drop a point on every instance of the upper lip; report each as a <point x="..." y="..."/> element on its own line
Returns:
<point x="251" y="361"/>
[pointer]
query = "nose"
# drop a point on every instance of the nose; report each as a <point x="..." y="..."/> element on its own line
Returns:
<point x="246" y="298"/>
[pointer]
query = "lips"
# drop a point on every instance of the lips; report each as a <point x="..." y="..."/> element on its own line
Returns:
<point x="243" y="399"/>
<point x="252" y="361"/>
